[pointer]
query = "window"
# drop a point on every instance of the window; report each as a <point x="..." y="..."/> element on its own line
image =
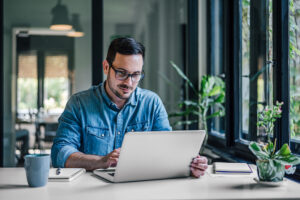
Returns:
<point x="44" y="76"/>
<point x="294" y="67"/>
<point x="27" y="85"/>
<point x="57" y="84"/>
<point x="262" y="58"/>
<point x="256" y="65"/>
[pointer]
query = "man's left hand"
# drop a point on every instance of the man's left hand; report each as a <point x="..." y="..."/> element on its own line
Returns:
<point x="198" y="166"/>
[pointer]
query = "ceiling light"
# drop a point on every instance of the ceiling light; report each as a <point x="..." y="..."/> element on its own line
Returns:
<point x="77" y="29"/>
<point x="60" y="20"/>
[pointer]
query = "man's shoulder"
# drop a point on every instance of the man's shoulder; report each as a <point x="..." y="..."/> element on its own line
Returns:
<point x="87" y="93"/>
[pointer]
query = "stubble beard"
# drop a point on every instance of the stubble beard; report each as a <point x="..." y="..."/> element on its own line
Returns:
<point x="118" y="94"/>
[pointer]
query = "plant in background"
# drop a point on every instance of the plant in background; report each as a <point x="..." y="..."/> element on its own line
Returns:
<point x="272" y="164"/>
<point x="210" y="95"/>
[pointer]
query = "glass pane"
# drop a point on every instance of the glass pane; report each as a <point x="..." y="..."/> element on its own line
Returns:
<point x="294" y="64"/>
<point x="27" y="85"/>
<point x="159" y="25"/>
<point x="245" y="65"/>
<point x="216" y="58"/>
<point x="56" y="88"/>
<point x="256" y="65"/>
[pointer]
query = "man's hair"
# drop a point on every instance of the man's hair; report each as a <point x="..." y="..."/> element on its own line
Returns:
<point x="125" y="46"/>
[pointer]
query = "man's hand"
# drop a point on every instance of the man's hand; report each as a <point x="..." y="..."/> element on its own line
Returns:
<point x="198" y="166"/>
<point x="111" y="159"/>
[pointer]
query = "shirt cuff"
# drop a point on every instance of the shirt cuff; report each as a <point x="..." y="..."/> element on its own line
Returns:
<point x="64" y="154"/>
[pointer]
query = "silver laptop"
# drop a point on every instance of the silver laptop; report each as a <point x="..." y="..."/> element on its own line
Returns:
<point x="155" y="155"/>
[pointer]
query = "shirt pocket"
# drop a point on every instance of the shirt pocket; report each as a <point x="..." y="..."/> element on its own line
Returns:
<point x="97" y="141"/>
<point x="142" y="126"/>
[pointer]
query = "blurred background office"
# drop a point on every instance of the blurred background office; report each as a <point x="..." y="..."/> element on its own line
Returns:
<point x="44" y="64"/>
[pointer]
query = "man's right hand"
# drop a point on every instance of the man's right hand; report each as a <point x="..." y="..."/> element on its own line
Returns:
<point x="111" y="159"/>
<point x="91" y="162"/>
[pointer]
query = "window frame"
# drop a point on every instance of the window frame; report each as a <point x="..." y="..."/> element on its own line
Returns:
<point x="232" y="63"/>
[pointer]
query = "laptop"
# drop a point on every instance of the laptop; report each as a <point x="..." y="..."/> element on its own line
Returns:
<point x="155" y="155"/>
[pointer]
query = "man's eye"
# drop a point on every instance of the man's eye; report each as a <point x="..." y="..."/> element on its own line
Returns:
<point x="136" y="75"/>
<point x="121" y="73"/>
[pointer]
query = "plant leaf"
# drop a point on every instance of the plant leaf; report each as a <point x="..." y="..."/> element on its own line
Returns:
<point x="289" y="160"/>
<point x="188" y="122"/>
<point x="220" y="98"/>
<point x="183" y="76"/>
<point x="215" y="114"/>
<point x="257" y="151"/>
<point x="284" y="150"/>
<point x="216" y="90"/>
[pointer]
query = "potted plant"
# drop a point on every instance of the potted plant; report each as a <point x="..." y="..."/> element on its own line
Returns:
<point x="272" y="164"/>
<point x="210" y="95"/>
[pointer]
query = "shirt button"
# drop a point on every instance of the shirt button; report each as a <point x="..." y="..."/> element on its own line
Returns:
<point x="132" y="130"/>
<point x="102" y="135"/>
<point x="119" y="133"/>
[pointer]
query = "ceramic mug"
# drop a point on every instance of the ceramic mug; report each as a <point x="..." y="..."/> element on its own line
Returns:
<point x="37" y="169"/>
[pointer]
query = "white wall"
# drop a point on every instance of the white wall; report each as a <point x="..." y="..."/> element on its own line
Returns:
<point x="32" y="13"/>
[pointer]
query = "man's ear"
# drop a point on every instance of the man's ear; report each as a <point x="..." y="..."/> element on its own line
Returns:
<point x="105" y="67"/>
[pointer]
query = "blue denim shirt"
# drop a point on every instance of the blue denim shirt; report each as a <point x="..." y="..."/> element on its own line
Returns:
<point x="91" y="123"/>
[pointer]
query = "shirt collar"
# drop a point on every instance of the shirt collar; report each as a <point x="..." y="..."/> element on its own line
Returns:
<point x="132" y="99"/>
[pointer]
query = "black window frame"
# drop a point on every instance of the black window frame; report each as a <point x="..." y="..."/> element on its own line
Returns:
<point x="235" y="147"/>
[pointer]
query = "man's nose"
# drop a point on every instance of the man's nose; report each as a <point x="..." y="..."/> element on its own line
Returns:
<point x="128" y="80"/>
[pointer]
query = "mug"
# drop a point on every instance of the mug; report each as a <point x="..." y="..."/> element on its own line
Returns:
<point x="37" y="169"/>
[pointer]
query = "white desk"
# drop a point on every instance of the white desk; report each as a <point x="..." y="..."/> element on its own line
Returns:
<point x="13" y="186"/>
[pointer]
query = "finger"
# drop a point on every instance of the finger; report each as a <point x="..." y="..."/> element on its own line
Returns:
<point x="112" y="162"/>
<point x="117" y="150"/>
<point x="200" y="159"/>
<point x="202" y="167"/>
<point x="114" y="155"/>
<point x="196" y="173"/>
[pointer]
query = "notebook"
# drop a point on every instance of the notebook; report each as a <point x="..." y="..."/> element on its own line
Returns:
<point x="232" y="168"/>
<point x="155" y="155"/>
<point x="65" y="175"/>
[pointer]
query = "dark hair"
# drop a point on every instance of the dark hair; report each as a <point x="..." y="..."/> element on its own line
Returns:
<point x="125" y="46"/>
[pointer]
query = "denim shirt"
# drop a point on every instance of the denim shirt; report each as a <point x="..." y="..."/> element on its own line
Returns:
<point x="91" y="123"/>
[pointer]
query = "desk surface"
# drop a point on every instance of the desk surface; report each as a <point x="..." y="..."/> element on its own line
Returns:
<point x="13" y="185"/>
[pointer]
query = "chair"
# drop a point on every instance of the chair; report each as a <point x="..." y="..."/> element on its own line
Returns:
<point x="22" y="143"/>
<point x="50" y="131"/>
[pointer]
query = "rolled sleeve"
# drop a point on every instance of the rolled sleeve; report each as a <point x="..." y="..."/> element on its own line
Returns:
<point x="161" y="121"/>
<point x="63" y="154"/>
<point x="68" y="134"/>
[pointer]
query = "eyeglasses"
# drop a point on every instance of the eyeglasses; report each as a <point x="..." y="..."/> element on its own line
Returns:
<point x="123" y="75"/>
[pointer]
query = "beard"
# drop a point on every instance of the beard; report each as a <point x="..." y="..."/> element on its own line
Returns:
<point x="120" y="94"/>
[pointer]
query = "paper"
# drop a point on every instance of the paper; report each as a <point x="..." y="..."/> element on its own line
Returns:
<point x="66" y="174"/>
<point x="232" y="168"/>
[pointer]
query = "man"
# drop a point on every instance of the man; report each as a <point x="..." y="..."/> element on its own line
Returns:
<point x="92" y="126"/>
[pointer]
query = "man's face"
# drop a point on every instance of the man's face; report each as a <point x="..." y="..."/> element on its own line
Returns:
<point x="121" y="66"/>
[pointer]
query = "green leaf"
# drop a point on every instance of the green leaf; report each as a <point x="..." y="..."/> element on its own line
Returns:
<point x="190" y="103"/>
<point x="289" y="160"/>
<point x="188" y="122"/>
<point x="216" y="90"/>
<point x="284" y="150"/>
<point x="257" y="151"/>
<point x="183" y="76"/>
<point x="270" y="147"/>
<point x="220" y="98"/>
<point x="215" y="114"/>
